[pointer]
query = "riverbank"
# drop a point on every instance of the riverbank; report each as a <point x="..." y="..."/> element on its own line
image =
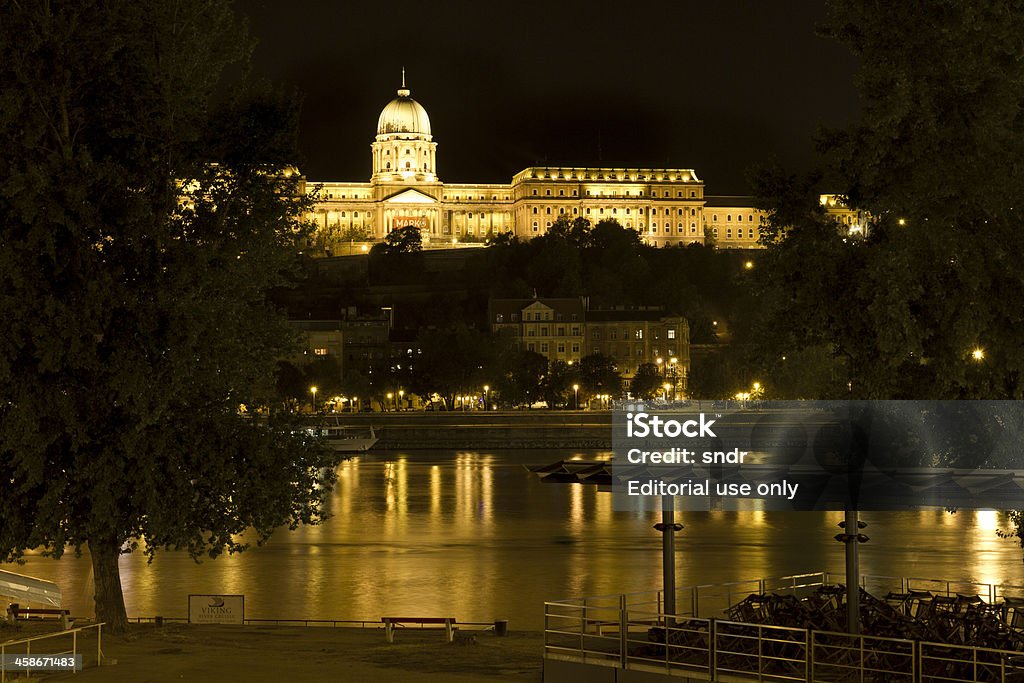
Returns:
<point x="481" y="430"/>
<point x="201" y="654"/>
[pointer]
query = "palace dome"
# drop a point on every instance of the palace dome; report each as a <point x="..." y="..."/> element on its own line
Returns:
<point x="403" y="115"/>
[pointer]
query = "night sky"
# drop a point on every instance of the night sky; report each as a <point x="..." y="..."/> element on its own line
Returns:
<point x="715" y="86"/>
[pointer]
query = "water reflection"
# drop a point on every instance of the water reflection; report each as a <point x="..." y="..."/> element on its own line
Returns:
<point x="476" y="536"/>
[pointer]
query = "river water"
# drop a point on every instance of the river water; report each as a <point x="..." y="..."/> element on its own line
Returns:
<point x="474" y="535"/>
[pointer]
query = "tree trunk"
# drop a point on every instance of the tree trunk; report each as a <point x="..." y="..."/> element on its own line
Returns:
<point x="109" y="599"/>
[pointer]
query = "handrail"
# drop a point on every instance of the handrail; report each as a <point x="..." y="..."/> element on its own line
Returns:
<point x="73" y="632"/>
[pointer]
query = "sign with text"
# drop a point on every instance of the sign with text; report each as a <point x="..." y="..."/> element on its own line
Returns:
<point x="216" y="609"/>
<point x="820" y="455"/>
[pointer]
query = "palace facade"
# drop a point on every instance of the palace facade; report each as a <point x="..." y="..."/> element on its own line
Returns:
<point x="667" y="206"/>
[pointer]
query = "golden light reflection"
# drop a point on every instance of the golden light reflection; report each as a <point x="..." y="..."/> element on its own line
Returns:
<point x="435" y="493"/>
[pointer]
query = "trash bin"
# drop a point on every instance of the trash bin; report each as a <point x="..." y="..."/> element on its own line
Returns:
<point x="501" y="627"/>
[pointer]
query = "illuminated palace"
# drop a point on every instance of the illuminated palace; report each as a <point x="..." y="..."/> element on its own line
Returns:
<point x="668" y="206"/>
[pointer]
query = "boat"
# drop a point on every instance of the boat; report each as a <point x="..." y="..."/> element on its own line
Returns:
<point x="345" y="439"/>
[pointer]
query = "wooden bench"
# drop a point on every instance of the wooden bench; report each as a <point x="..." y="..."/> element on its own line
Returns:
<point x="391" y="622"/>
<point x="26" y="612"/>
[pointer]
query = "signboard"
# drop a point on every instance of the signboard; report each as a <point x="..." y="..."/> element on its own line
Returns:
<point x="216" y="609"/>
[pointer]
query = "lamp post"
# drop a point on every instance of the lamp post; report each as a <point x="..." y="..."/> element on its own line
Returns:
<point x="390" y="399"/>
<point x="575" y="396"/>
<point x="487" y="387"/>
<point x="675" y="383"/>
<point x="312" y="400"/>
<point x="401" y="399"/>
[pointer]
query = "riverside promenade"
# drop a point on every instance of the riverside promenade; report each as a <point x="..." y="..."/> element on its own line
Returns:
<point x="478" y="429"/>
<point x="213" y="654"/>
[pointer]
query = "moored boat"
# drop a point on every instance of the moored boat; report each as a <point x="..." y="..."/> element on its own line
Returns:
<point x="345" y="439"/>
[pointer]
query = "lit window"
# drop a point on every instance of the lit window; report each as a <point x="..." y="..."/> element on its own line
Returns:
<point x="499" y="318"/>
<point x="671" y="333"/>
<point x="320" y="351"/>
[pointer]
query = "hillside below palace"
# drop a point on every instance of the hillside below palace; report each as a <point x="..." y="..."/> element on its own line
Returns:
<point x="667" y="206"/>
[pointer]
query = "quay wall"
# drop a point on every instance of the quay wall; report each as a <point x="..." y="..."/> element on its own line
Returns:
<point x="487" y="430"/>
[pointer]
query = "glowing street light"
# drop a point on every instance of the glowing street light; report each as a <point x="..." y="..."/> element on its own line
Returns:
<point x="390" y="398"/>
<point x="487" y="388"/>
<point x="401" y="398"/>
<point x="312" y="400"/>
<point x="575" y="396"/>
<point x="749" y="265"/>
<point x="902" y="222"/>
<point x="978" y="354"/>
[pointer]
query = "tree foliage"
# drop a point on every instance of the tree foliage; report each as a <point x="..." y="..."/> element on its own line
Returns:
<point x="934" y="159"/>
<point x="646" y="382"/>
<point x="140" y="228"/>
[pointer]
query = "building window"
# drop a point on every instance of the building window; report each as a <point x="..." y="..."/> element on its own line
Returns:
<point x="544" y="347"/>
<point x="531" y="347"/>
<point x="576" y="348"/>
<point x="714" y="231"/>
<point x="561" y="348"/>
<point x="535" y="209"/>
<point x="543" y="331"/>
<point x="535" y="193"/>
<point x="671" y="333"/>
<point x="320" y="351"/>
<point x="693" y="212"/>
<point x="547" y="193"/>
<point x="728" y="218"/>
<point x="739" y="218"/>
<point x="499" y="318"/>
<point x="547" y="210"/>
<point x="561" y="193"/>
<point x="728" y="233"/>
<point x="595" y="334"/>
<point x="750" y="233"/>
<point x="714" y="219"/>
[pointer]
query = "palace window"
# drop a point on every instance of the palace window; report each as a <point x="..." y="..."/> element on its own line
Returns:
<point x="729" y="217"/>
<point x="576" y="348"/>
<point x="671" y="333"/>
<point x="320" y="351"/>
<point x="714" y="219"/>
<point x="561" y="348"/>
<point x="548" y="210"/>
<point x="547" y="193"/>
<point x="535" y="209"/>
<point x="750" y="233"/>
<point x="387" y="165"/>
<point x="535" y="193"/>
<point x="739" y="218"/>
<point x="561" y="193"/>
<point x="728" y="233"/>
<point x="574" y="192"/>
<point x="692" y="193"/>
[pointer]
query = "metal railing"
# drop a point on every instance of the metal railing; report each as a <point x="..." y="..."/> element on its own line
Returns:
<point x="24" y="646"/>
<point x="631" y="631"/>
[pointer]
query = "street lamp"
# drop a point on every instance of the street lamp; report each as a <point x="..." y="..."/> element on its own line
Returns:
<point x="401" y="398"/>
<point x="575" y="396"/>
<point x="312" y="400"/>
<point x="390" y="398"/>
<point x="978" y="354"/>
<point x="667" y="387"/>
<point x="487" y="388"/>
